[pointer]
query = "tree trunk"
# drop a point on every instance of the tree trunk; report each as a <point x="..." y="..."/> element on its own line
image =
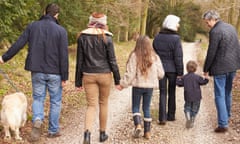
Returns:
<point x="238" y="22"/>
<point x="118" y="35"/>
<point x="231" y="12"/>
<point x="145" y="4"/>
<point x="138" y="26"/>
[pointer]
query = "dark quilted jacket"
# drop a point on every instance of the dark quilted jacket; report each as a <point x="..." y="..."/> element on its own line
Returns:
<point x="223" y="53"/>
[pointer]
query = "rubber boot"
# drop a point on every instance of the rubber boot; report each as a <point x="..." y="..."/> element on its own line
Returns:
<point x="147" y="128"/>
<point x="188" y="119"/>
<point x="87" y="136"/>
<point x="192" y="121"/>
<point x="138" y="127"/>
<point x="103" y="136"/>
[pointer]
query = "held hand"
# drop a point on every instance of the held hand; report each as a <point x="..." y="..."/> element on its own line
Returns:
<point x="205" y="74"/>
<point x="81" y="89"/>
<point x="179" y="77"/>
<point x="1" y="60"/>
<point x="206" y="77"/>
<point x="119" y="87"/>
<point x="64" y="83"/>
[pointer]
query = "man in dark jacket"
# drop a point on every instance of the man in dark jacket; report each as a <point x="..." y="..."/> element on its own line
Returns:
<point x="47" y="59"/>
<point x="222" y="61"/>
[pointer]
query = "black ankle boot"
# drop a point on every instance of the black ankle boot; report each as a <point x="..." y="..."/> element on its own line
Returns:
<point x="103" y="136"/>
<point x="87" y="136"/>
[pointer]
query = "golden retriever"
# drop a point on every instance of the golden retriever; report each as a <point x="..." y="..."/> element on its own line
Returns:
<point x="14" y="113"/>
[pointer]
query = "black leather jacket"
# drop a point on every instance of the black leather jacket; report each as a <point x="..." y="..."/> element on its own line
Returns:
<point x="95" y="54"/>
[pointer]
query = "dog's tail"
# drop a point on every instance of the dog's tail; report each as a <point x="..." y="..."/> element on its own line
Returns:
<point x="13" y="119"/>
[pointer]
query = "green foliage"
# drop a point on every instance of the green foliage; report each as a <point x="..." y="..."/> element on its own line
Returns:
<point x="189" y="13"/>
<point x="74" y="16"/>
<point x="15" y="14"/>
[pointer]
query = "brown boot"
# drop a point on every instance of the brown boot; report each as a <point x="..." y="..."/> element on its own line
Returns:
<point x="147" y="128"/>
<point x="137" y="131"/>
<point x="147" y="135"/>
<point x="137" y="123"/>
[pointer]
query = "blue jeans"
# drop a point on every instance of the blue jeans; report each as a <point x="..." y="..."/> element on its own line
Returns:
<point x="192" y="108"/>
<point x="223" y="97"/>
<point x="146" y="94"/>
<point x="41" y="83"/>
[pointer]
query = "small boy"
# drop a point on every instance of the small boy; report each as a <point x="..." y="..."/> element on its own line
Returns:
<point x="192" y="92"/>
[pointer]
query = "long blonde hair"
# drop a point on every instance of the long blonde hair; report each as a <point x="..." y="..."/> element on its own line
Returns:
<point x="145" y="55"/>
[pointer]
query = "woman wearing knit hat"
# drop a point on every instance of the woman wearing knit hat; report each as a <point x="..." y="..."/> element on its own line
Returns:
<point x="95" y="64"/>
<point x="167" y="45"/>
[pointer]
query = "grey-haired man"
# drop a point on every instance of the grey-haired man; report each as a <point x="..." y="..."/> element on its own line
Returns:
<point x="222" y="61"/>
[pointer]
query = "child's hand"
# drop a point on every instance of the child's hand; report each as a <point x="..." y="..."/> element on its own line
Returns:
<point x="81" y="89"/>
<point x="179" y="77"/>
<point x="119" y="87"/>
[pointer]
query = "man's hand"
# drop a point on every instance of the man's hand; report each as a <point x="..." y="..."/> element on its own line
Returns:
<point x="1" y="60"/>
<point x="64" y="83"/>
<point x="205" y="75"/>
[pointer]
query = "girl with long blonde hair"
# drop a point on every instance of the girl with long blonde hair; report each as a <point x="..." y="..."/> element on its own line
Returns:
<point x="143" y="71"/>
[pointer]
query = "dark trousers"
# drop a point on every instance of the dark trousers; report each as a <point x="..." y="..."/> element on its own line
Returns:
<point x="167" y="87"/>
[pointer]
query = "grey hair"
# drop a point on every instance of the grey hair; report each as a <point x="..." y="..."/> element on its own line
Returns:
<point x="211" y="14"/>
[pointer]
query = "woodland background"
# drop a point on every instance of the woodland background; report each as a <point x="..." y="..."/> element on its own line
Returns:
<point x="126" y="18"/>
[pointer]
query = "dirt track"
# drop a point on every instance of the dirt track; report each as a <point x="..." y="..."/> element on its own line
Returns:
<point x="120" y="125"/>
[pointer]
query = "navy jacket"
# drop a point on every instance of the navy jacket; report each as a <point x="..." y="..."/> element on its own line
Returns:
<point x="167" y="45"/>
<point x="223" y="53"/>
<point x="47" y="47"/>
<point x="191" y="83"/>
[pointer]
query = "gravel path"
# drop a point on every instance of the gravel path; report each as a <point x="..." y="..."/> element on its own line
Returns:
<point x="120" y="125"/>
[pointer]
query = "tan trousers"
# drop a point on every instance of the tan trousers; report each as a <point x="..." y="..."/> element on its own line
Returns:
<point x="97" y="88"/>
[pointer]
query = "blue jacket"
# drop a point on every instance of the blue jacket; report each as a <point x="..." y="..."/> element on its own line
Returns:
<point x="47" y="47"/>
<point x="167" y="45"/>
<point x="223" y="53"/>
